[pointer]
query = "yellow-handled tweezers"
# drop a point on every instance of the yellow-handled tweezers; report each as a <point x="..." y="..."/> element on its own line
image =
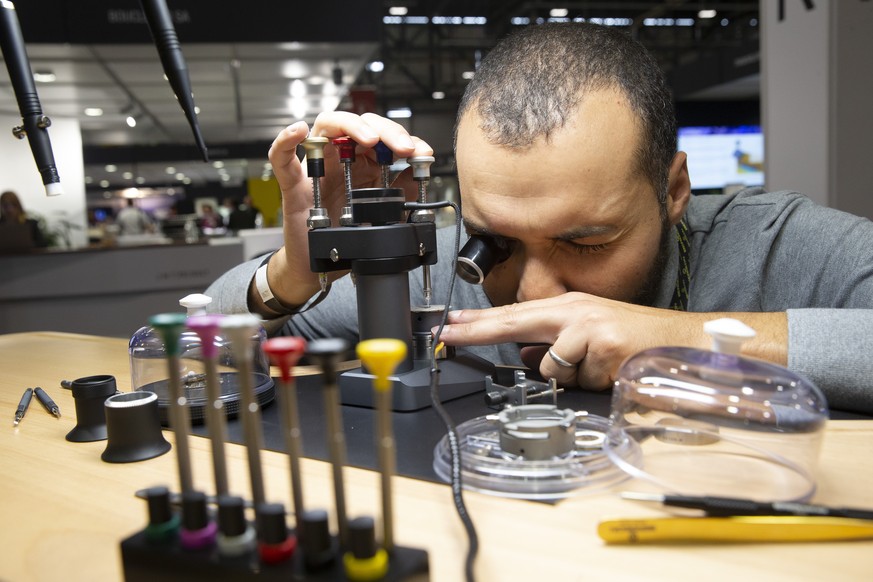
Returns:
<point x="738" y="529"/>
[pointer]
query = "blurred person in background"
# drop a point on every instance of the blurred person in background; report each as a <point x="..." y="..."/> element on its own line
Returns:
<point x="13" y="216"/>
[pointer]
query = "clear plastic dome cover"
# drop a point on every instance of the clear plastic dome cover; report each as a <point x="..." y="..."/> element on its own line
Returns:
<point x="149" y="366"/>
<point x="713" y="423"/>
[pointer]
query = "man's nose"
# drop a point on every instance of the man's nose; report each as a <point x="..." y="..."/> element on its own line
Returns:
<point x="539" y="280"/>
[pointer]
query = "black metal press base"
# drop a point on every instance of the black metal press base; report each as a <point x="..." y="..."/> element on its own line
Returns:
<point x="146" y="561"/>
<point x="459" y="376"/>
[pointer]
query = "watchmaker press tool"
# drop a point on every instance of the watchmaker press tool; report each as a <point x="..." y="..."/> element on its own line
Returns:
<point x="223" y="544"/>
<point x="380" y="242"/>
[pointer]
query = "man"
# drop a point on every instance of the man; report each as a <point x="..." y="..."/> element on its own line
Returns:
<point x="245" y="216"/>
<point x="566" y="156"/>
<point x="133" y="220"/>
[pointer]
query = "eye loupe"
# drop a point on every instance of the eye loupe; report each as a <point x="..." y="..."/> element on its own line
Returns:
<point x="478" y="257"/>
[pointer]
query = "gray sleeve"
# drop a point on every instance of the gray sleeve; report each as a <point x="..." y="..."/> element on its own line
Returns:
<point x="335" y="316"/>
<point x="780" y="252"/>
<point x="824" y="274"/>
<point x="834" y="349"/>
<point x="230" y="291"/>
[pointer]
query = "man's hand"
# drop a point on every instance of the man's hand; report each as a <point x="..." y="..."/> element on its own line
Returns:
<point x="289" y="276"/>
<point x="596" y="334"/>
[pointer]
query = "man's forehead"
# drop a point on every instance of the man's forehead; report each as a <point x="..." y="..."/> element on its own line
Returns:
<point x="499" y="127"/>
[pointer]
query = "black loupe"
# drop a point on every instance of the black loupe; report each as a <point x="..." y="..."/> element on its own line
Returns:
<point x="478" y="257"/>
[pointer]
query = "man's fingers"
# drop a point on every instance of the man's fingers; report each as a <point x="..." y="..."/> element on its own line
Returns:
<point x="342" y="123"/>
<point x="519" y="322"/>
<point x="283" y="155"/>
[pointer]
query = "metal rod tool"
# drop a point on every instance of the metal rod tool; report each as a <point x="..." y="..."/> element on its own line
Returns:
<point x="380" y="357"/>
<point x="170" y="326"/>
<point x="239" y="329"/>
<point x="328" y="353"/>
<point x="284" y="352"/>
<point x="207" y="327"/>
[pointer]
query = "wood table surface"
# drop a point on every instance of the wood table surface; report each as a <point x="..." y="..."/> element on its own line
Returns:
<point x="63" y="511"/>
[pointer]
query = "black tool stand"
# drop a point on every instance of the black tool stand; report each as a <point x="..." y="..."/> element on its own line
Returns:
<point x="167" y="561"/>
<point x="380" y="250"/>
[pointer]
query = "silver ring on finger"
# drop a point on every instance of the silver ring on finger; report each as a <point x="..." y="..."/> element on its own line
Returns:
<point x="559" y="360"/>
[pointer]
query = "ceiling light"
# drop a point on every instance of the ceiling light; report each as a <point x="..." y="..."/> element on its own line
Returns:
<point x="316" y="80"/>
<point x="217" y="164"/>
<point x="559" y="12"/>
<point x="44" y="77"/>
<point x="225" y="177"/>
<point x="298" y="88"/>
<point x="298" y="107"/>
<point x="468" y="75"/>
<point x="399" y="113"/>
<point x="329" y="88"/>
<point x="89" y="179"/>
<point x="186" y="180"/>
<point x="398" y="11"/>
<point x="93" y="111"/>
<point x="180" y="176"/>
<point x="329" y="102"/>
<point x="376" y="66"/>
<point x="294" y="69"/>
<point x="111" y="168"/>
<point x="131" y="121"/>
<point x="170" y="170"/>
<point x="438" y="95"/>
<point x="127" y="175"/>
<point x="140" y="180"/>
<point x="104" y="183"/>
<point x="706" y="14"/>
<point x="268" y="166"/>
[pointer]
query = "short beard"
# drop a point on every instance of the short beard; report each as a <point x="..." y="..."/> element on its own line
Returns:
<point x="648" y="291"/>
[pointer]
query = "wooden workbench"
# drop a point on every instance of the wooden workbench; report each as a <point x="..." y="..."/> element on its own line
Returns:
<point x="63" y="511"/>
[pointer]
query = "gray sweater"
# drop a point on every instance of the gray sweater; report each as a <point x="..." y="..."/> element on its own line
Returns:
<point x="752" y="251"/>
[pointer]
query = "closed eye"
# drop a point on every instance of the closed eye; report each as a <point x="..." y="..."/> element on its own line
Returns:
<point x="586" y="249"/>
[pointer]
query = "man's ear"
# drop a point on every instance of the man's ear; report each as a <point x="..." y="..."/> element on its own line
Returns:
<point x="678" y="188"/>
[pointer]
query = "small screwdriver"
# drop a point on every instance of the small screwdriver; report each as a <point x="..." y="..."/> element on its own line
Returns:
<point x="47" y="401"/>
<point x="22" y="406"/>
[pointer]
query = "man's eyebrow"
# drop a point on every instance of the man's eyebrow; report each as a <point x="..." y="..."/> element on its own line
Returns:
<point x="569" y="235"/>
<point x="585" y="232"/>
<point x="473" y="228"/>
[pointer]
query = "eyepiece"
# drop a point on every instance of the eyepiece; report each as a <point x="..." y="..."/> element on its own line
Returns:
<point x="478" y="257"/>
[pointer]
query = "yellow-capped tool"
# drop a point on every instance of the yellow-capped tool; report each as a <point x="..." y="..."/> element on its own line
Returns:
<point x="737" y="529"/>
<point x="381" y="357"/>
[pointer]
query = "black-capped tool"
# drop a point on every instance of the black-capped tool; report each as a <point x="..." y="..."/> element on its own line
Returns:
<point x="47" y="402"/>
<point x="22" y="406"/>
<point x="731" y="506"/>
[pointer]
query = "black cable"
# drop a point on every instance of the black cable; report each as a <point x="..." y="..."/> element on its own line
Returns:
<point x="451" y="431"/>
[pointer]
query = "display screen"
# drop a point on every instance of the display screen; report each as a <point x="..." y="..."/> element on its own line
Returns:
<point x="723" y="156"/>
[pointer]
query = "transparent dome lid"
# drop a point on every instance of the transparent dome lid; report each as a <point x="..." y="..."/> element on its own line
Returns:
<point x="149" y="371"/>
<point x="717" y="423"/>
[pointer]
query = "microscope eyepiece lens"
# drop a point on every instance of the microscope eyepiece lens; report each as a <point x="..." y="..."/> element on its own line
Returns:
<point x="478" y="257"/>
